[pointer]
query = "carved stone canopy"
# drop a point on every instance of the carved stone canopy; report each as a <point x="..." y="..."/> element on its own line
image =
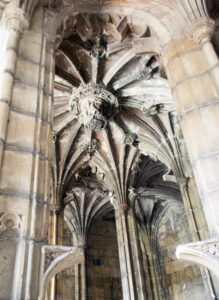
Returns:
<point x="93" y="105"/>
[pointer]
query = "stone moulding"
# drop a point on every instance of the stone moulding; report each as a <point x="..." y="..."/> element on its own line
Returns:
<point x="93" y="105"/>
<point x="205" y="253"/>
<point x="55" y="259"/>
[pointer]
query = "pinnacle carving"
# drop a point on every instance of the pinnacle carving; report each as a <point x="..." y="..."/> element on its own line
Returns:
<point x="93" y="105"/>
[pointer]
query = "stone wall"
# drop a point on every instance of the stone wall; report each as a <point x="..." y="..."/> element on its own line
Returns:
<point x="65" y="289"/>
<point x="104" y="280"/>
<point x="103" y="272"/>
<point x="179" y="279"/>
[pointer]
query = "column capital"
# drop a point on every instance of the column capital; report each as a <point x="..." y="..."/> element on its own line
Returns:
<point x="14" y="18"/>
<point x="122" y="207"/>
<point x="55" y="207"/>
<point x="202" y="30"/>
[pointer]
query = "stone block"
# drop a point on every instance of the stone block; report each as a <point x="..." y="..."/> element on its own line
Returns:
<point x="16" y="172"/>
<point x="29" y="50"/>
<point x="21" y="130"/>
<point x="190" y="94"/>
<point x="27" y="72"/>
<point x="176" y="71"/>
<point x="37" y="20"/>
<point x="4" y="109"/>
<point x="41" y="176"/>
<point x="202" y="134"/>
<point x="6" y="81"/>
<point x="44" y="140"/>
<point x="10" y="60"/>
<point x="195" y="63"/>
<point x="41" y="225"/>
<point x="189" y="65"/>
<point x="33" y="36"/>
<point x="24" y="97"/>
<point x="176" y="47"/>
<point x="46" y="105"/>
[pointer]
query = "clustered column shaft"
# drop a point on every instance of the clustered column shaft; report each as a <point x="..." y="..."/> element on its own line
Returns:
<point x="26" y="83"/>
<point x="13" y="23"/>
<point x="133" y="283"/>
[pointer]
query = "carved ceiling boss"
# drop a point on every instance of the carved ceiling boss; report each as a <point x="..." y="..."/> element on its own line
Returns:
<point x="93" y="105"/>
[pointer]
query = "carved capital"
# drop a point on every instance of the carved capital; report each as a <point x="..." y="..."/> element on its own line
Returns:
<point x="55" y="207"/>
<point x="202" y="30"/>
<point x="123" y="207"/>
<point x="14" y="18"/>
<point x="119" y="207"/>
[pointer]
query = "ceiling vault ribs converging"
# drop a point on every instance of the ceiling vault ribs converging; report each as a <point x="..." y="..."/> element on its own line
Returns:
<point x="115" y="126"/>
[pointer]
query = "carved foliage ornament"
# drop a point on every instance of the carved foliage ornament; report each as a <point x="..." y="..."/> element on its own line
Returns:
<point x="90" y="147"/>
<point x="93" y="105"/>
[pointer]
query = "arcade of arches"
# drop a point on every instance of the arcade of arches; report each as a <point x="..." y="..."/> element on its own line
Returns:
<point x="109" y="149"/>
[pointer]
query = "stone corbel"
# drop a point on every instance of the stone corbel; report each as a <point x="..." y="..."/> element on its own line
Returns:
<point x="205" y="253"/>
<point x="55" y="259"/>
<point x="202" y="30"/>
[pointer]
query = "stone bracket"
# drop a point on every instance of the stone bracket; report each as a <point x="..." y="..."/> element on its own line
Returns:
<point x="54" y="259"/>
<point x="205" y="253"/>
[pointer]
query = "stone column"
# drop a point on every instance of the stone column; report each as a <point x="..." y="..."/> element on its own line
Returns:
<point x="152" y="278"/>
<point x="136" y="256"/>
<point x="83" y="281"/>
<point x="77" y="282"/>
<point x="25" y="130"/>
<point x="12" y="24"/>
<point x="191" y="65"/>
<point x="197" y="224"/>
<point x="80" y="282"/>
<point x="192" y="68"/>
<point x="56" y="238"/>
<point x="132" y="276"/>
<point x="53" y="240"/>
<point x="193" y="209"/>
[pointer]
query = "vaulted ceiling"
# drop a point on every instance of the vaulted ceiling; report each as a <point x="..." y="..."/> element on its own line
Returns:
<point x="115" y="128"/>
